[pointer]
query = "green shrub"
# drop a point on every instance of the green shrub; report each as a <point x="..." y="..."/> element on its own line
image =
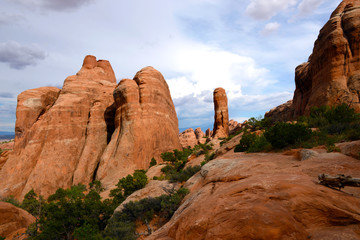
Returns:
<point x="129" y="184"/>
<point x="152" y="162"/>
<point x="260" y="144"/>
<point x="285" y="134"/>
<point x="122" y="225"/>
<point x="2" y="238"/>
<point x="246" y="141"/>
<point x="184" y="174"/>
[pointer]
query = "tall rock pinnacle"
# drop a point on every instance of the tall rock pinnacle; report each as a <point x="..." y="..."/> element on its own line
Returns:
<point x="221" y="119"/>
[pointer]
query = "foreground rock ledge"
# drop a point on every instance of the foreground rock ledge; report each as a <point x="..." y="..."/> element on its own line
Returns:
<point x="267" y="196"/>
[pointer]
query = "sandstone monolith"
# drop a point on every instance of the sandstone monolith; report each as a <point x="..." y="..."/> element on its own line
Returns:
<point x="221" y="119"/>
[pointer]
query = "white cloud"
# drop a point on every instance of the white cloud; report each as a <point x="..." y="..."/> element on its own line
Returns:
<point x="266" y="9"/>
<point x="19" y="56"/>
<point x="270" y="28"/>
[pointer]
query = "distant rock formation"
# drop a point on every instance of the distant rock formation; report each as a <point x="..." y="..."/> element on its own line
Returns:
<point x="332" y="74"/>
<point x="13" y="220"/>
<point x="80" y="133"/>
<point x="200" y="136"/>
<point x="282" y="113"/>
<point x="188" y="138"/>
<point x="221" y="119"/>
<point x="234" y="126"/>
<point x="146" y="125"/>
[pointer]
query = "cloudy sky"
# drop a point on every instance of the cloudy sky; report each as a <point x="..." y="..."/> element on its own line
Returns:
<point x="248" y="47"/>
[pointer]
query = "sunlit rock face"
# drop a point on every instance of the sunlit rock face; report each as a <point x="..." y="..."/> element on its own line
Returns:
<point x="146" y="125"/>
<point x="66" y="134"/>
<point x="221" y="119"/>
<point x="332" y="74"/>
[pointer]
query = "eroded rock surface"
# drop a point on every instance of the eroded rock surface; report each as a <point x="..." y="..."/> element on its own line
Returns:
<point x="188" y="138"/>
<point x="267" y="196"/>
<point x="63" y="144"/>
<point x="332" y="74"/>
<point x="13" y="219"/>
<point x="146" y="125"/>
<point x="221" y="119"/>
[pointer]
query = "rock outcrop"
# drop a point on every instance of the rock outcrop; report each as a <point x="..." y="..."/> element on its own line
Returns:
<point x="267" y="196"/>
<point x="31" y="105"/>
<point x="146" y="125"/>
<point x="188" y="138"/>
<point x="65" y="138"/>
<point x="13" y="219"/>
<point x="332" y="74"/>
<point x="221" y="119"/>
<point x="281" y="113"/>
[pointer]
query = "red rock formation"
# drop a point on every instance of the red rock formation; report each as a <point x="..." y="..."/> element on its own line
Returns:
<point x="208" y="133"/>
<point x="332" y="74"/>
<point x="146" y="126"/>
<point x="31" y="105"/>
<point x="272" y="196"/>
<point x="188" y="138"/>
<point x="62" y="147"/>
<point x="221" y="119"/>
<point x="13" y="219"/>
<point x="200" y="136"/>
<point x="282" y="113"/>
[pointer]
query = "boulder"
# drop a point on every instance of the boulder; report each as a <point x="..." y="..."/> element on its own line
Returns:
<point x="351" y="149"/>
<point x="267" y="196"/>
<point x="66" y="138"/>
<point x="188" y="138"/>
<point x="146" y="125"/>
<point x="221" y="119"/>
<point x="13" y="219"/>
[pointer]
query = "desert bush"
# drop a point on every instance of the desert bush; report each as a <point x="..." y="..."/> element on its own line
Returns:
<point x="185" y="174"/>
<point x="250" y="142"/>
<point x="285" y="134"/>
<point x="122" y="225"/>
<point x="152" y="162"/>
<point x="245" y="142"/>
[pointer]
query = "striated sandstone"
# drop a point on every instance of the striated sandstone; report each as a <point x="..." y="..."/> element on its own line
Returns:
<point x="267" y="196"/>
<point x="64" y="145"/>
<point x="146" y="125"/>
<point x="13" y="219"/>
<point x="221" y="119"/>
<point x="332" y="74"/>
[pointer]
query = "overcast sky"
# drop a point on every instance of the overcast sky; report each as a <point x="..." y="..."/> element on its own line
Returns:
<point x="248" y="47"/>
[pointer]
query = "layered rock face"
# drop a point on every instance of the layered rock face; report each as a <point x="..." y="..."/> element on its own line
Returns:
<point x="221" y="119"/>
<point x="267" y="196"/>
<point x="146" y="125"/>
<point x="332" y="74"/>
<point x="13" y="219"/>
<point x="62" y="143"/>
